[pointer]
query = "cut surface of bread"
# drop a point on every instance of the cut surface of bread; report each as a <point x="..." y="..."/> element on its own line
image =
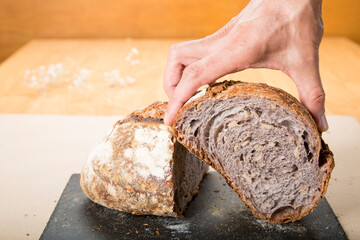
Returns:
<point x="140" y="168"/>
<point x="264" y="143"/>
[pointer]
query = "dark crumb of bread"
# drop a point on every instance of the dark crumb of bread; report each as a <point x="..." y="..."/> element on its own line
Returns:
<point x="264" y="142"/>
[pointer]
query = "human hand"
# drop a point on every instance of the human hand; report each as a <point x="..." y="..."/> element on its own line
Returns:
<point x="276" y="34"/>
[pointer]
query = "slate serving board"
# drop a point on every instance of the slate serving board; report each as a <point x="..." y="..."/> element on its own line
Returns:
<point x="215" y="213"/>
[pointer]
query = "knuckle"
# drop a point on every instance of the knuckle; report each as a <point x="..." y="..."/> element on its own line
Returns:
<point x="236" y="41"/>
<point x="203" y="81"/>
<point x="193" y="70"/>
<point x="177" y="47"/>
<point x="166" y="86"/>
<point x="310" y="56"/>
<point x="243" y="35"/>
<point x="173" y="47"/>
<point x="174" y="50"/>
<point x="317" y="96"/>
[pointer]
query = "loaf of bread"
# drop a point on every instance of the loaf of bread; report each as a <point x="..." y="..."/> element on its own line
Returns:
<point x="265" y="144"/>
<point x="140" y="168"/>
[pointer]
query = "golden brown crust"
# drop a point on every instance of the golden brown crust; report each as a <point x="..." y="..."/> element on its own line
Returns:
<point x="153" y="113"/>
<point x="117" y="182"/>
<point x="230" y="89"/>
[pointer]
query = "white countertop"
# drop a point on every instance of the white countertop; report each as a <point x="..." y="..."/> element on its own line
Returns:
<point x="38" y="154"/>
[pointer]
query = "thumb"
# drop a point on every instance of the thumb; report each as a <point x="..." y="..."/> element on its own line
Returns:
<point x="312" y="95"/>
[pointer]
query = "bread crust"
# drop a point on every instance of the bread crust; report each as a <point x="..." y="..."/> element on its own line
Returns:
<point x="231" y="89"/>
<point x="134" y="193"/>
<point x="153" y="113"/>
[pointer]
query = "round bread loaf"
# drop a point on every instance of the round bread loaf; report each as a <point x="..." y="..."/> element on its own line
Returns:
<point x="140" y="168"/>
<point x="265" y="144"/>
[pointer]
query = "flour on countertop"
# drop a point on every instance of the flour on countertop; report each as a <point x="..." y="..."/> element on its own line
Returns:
<point x="114" y="77"/>
<point x="132" y="56"/>
<point x="58" y="74"/>
<point x="135" y="51"/>
<point x="280" y="227"/>
<point x="180" y="228"/>
<point x="42" y="76"/>
<point x="71" y="75"/>
<point x="78" y="80"/>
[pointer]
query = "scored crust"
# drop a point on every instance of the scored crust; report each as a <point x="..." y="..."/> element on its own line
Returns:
<point x="231" y="89"/>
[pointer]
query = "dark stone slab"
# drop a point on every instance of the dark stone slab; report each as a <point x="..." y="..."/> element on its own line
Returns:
<point x="215" y="213"/>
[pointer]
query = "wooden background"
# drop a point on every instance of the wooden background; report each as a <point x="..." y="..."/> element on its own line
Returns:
<point x="23" y="20"/>
<point x="339" y="69"/>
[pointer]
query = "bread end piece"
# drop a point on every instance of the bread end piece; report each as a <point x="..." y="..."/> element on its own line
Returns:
<point x="140" y="168"/>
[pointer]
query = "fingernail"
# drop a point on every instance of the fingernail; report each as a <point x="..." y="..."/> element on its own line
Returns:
<point x="323" y="124"/>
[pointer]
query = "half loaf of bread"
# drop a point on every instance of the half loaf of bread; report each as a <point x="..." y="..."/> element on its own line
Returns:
<point x="265" y="144"/>
<point x="140" y="168"/>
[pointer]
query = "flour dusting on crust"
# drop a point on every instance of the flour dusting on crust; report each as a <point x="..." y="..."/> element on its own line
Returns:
<point x="197" y="95"/>
<point x="153" y="154"/>
<point x="103" y="151"/>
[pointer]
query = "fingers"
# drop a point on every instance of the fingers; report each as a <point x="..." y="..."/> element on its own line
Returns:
<point x="202" y="72"/>
<point x="183" y="91"/>
<point x="186" y="53"/>
<point x="180" y="56"/>
<point x="172" y="76"/>
<point x="312" y="95"/>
